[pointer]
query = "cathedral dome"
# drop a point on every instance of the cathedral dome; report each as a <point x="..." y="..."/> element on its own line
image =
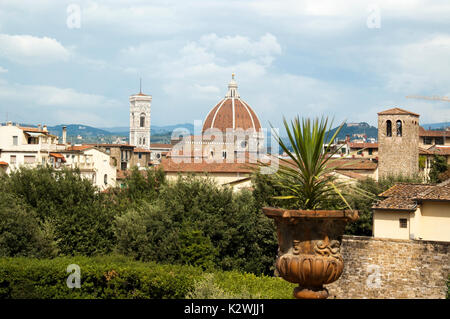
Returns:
<point x="232" y="113"/>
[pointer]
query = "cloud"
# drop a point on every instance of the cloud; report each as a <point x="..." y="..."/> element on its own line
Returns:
<point x="3" y="70"/>
<point x="30" y="50"/>
<point x="57" y="105"/>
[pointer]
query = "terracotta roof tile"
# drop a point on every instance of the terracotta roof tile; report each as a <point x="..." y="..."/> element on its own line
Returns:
<point x="432" y="133"/>
<point x="352" y="174"/>
<point x="141" y="150"/>
<point x="3" y="164"/>
<point x="58" y="155"/>
<point x="160" y="145"/>
<point x="353" y="164"/>
<point x="79" y="147"/>
<point x="170" y="165"/>
<point x="397" y="111"/>
<point x="440" y="192"/>
<point x="363" y="145"/>
<point x="401" y="196"/>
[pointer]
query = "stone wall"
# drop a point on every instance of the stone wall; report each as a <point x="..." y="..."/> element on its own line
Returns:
<point x="398" y="155"/>
<point x="390" y="268"/>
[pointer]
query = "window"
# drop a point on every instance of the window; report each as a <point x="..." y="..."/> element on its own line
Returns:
<point x="15" y="140"/>
<point x="224" y="154"/>
<point x="13" y="159"/>
<point x="108" y="150"/>
<point x="439" y="140"/>
<point x="427" y="140"/>
<point x="29" y="159"/>
<point x="370" y="151"/>
<point x="403" y="222"/>
<point x="140" y="155"/>
<point x="105" y="179"/>
<point x="399" y="128"/>
<point x="143" y="141"/>
<point x="388" y="128"/>
<point x="142" y="121"/>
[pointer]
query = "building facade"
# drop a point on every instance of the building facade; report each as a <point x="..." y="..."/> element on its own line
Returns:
<point x="26" y="146"/>
<point x="140" y="105"/>
<point x="398" y="143"/>
<point x="413" y="211"/>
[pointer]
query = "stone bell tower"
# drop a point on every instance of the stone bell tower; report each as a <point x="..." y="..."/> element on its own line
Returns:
<point x="398" y="143"/>
<point x="140" y="120"/>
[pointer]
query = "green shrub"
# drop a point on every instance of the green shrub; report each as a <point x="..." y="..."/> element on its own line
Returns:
<point x="80" y="217"/>
<point x="21" y="232"/>
<point x="113" y="277"/>
<point x="196" y="222"/>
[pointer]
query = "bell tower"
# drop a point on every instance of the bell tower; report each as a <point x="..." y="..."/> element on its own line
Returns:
<point x="140" y="120"/>
<point x="398" y="143"/>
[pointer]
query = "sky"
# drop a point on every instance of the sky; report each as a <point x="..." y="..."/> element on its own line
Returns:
<point x="77" y="62"/>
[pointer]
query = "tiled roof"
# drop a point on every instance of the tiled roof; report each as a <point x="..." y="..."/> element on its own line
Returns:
<point x="401" y="196"/>
<point x="141" y="150"/>
<point x="424" y="151"/>
<point x="363" y="145"/>
<point x="435" y="150"/>
<point x="397" y="111"/>
<point x="79" y="147"/>
<point x="3" y="164"/>
<point x="353" y="164"/>
<point x="34" y="130"/>
<point x="169" y="165"/>
<point x="352" y="174"/>
<point x="432" y="133"/>
<point x="160" y="145"/>
<point x="110" y="145"/>
<point x="58" y="155"/>
<point x="408" y="190"/>
<point x="440" y="192"/>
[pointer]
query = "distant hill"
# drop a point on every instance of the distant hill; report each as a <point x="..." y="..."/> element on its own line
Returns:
<point x="162" y="133"/>
<point x="436" y="126"/>
<point x="154" y="129"/>
<point x="354" y="129"/>
<point x="78" y="129"/>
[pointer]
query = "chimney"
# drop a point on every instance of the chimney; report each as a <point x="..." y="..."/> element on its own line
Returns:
<point x="64" y="135"/>
<point x="9" y="123"/>
<point x="39" y="127"/>
<point x="45" y="128"/>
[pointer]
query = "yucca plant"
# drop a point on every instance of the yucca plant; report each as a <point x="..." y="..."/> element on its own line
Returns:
<point x="306" y="177"/>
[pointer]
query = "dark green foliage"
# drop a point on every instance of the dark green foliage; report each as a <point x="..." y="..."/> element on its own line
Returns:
<point x="119" y="277"/>
<point x="190" y="221"/>
<point x="194" y="221"/>
<point x="20" y="231"/>
<point x="80" y="216"/>
<point x="144" y="183"/>
<point x="196" y="249"/>
<point x="438" y="166"/>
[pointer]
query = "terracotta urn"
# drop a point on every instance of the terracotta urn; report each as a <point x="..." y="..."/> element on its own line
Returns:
<point x="309" y="247"/>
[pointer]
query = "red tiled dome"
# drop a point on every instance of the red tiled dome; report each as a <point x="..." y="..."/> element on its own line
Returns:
<point x="232" y="113"/>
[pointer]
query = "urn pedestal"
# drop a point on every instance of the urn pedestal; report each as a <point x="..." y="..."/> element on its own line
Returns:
<point x="309" y="247"/>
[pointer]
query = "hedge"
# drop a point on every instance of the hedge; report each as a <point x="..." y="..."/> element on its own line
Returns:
<point x="116" y="277"/>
